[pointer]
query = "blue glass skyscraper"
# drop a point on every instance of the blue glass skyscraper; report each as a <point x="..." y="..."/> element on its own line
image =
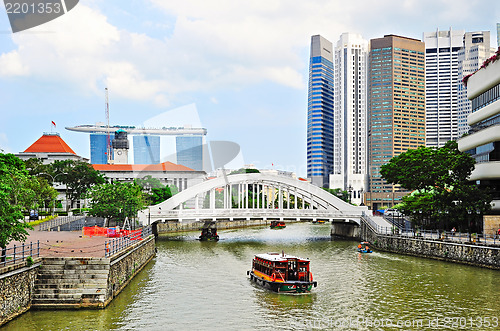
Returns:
<point x="190" y="151"/>
<point x="146" y="149"/>
<point x="320" y="112"/>
<point x="98" y="148"/>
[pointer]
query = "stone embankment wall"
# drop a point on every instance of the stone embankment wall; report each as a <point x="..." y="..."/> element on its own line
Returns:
<point x="62" y="283"/>
<point x="467" y="253"/>
<point x="345" y="230"/>
<point x="17" y="284"/>
<point x="126" y="265"/>
<point x="175" y="226"/>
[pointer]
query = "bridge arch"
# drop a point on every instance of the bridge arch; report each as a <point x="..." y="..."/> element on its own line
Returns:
<point x="274" y="195"/>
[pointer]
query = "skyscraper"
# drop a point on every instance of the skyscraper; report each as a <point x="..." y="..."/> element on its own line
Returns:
<point x="475" y="50"/>
<point x="441" y="85"/>
<point x="396" y="109"/>
<point x="350" y="123"/>
<point x="146" y="149"/>
<point x="320" y="112"/>
<point x="98" y="143"/>
<point x="190" y="151"/>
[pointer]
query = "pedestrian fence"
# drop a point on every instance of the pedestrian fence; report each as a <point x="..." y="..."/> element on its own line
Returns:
<point x="460" y="237"/>
<point x="19" y="253"/>
<point x="116" y="245"/>
<point x="57" y="222"/>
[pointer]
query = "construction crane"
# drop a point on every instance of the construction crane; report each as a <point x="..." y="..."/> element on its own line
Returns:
<point x="108" y="138"/>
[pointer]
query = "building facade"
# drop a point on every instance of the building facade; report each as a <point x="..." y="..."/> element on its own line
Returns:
<point x="146" y="149"/>
<point x="189" y="151"/>
<point x="441" y="85"/>
<point x="475" y="50"/>
<point x="483" y="140"/>
<point x="350" y="171"/>
<point x="396" y="111"/>
<point x="320" y="112"/>
<point x="98" y="147"/>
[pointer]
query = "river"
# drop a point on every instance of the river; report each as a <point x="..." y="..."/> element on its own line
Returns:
<point x="193" y="285"/>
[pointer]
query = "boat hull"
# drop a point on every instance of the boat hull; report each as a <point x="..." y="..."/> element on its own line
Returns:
<point x="283" y="287"/>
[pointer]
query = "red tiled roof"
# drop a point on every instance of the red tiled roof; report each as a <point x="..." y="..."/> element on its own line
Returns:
<point x="165" y="166"/>
<point x="49" y="144"/>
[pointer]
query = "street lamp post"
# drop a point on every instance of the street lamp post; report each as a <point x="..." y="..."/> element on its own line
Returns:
<point x="349" y="189"/>
<point x="53" y="181"/>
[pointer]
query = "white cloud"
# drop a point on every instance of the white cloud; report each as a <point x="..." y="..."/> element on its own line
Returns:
<point x="11" y="65"/>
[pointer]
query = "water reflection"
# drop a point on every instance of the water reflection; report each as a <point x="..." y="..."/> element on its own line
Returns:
<point x="203" y="286"/>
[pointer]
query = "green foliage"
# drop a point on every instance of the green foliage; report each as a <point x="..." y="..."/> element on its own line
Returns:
<point x="78" y="176"/>
<point x="339" y="193"/>
<point x="245" y="171"/>
<point x="159" y="195"/>
<point x="15" y="196"/>
<point x="148" y="182"/>
<point x="29" y="261"/>
<point x="116" y="200"/>
<point x="443" y="195"/>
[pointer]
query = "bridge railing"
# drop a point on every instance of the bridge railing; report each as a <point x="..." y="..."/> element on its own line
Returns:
<point x="375" y="226"/>
<point x="116" y="245"/>
<point x="19" y="253"/>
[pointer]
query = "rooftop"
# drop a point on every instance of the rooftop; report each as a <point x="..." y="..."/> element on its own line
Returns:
<point x="165" y="166"/>
<point x="49" y="143"/>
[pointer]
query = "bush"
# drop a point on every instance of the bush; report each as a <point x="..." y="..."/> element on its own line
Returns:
<point x="29" y="261"/>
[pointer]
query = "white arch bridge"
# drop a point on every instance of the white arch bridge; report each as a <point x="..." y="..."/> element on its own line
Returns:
<point x="252" y="196"/>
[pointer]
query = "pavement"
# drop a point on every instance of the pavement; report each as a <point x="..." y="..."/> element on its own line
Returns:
<point x="65" y="244"/>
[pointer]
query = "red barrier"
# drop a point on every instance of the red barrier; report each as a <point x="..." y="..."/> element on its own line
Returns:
<point x="110" y="232"/>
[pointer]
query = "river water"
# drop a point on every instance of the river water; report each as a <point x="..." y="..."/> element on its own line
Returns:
<point x="193" y="285"/>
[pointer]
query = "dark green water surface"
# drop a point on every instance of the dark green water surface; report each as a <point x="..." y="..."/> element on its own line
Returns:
<point x="193" y="285"/>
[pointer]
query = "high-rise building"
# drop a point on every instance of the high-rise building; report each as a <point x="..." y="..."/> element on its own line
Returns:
<point x="441" y="85"/>
<point x="320" y="112"/>
<point x="396" y="111"/>
<point x="350" y="123"/>
<point x="483" y="140"/>
<point x="146" y="149"/>
<point x="120" y="147"/>
<point x="190" y="151"/>
<point x="498" y="34"/>
<point x="98" y="148"/>
<point x="475" y="50"/>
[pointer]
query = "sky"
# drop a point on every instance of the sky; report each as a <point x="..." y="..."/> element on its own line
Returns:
<point x="239" y="67"/>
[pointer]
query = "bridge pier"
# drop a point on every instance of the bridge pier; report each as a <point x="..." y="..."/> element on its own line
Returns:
<point x="345" y="230"/>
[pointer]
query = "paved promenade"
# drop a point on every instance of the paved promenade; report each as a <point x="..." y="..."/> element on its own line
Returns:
<point x="65" y="244"/>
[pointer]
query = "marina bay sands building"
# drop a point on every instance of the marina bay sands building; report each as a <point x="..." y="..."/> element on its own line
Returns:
<point x="146" y="143"/>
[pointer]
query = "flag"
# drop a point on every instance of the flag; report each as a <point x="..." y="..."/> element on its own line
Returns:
<point x="54" y="123"/>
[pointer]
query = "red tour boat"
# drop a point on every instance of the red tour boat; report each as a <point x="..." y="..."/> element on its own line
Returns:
<point x="282" y="273"/>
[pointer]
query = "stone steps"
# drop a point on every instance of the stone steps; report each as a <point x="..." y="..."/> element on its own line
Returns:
<point x="71" y="282"/>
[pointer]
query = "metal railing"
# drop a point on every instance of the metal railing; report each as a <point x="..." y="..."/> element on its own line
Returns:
<point x="478" y="239"/>
<point x="15" y="254"/>
<point x="58" y="221"/>
<point x="116" y="245"/>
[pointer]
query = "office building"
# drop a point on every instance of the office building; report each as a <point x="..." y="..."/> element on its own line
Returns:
<point x="350" y="171"/>
<point x="441" y="85"/>
<point x="396" y="111"/>
<point x="189" y="150"/>
<point x="98" y="148"/>
<point x="475" y="50"/>
<point x="483" y="140"/>
<point x="146" y="149"/>
<point x="320" y="112"/>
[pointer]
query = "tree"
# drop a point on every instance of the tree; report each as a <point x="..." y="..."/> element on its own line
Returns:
<point x="444" y="195"/>
<point x="339" y="193"/>
<point x="78" y="177"/>
<point x="245" y="171"/>
<point x="116" y="200"/>
<point x="149" y="182"/>
<point x="14" y="194"/>
<point x="159" y="195"/>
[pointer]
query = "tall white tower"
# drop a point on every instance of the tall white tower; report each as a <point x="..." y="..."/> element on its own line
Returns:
<point x="475" y="50"/>
<point x="441" y="85"/>
<point x="350" y="171"/>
